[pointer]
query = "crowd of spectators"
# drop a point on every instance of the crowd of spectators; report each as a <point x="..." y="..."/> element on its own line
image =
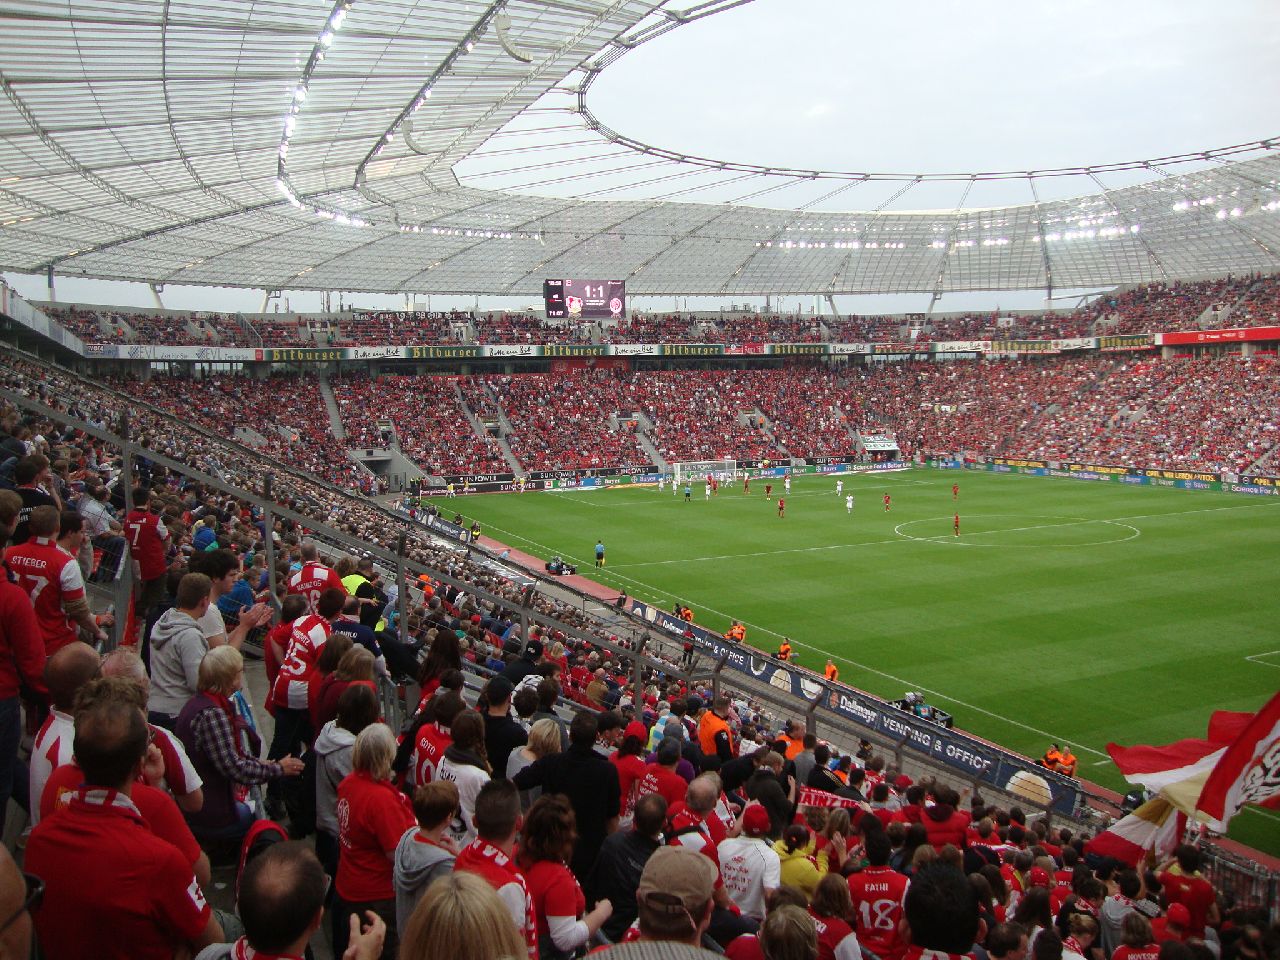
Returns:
<point x="563" y="421"/>
<point x="702" y="415"/>
<point x="1210" y="414"/>
<point x="1248" y="301"/>
<point x="433" y="430"/>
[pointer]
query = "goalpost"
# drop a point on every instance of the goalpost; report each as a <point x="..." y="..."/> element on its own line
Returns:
<point x="695" y="472"/>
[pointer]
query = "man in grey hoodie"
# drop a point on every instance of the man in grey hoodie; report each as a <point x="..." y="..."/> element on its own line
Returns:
<point x="177" y="647"/>
<point x="425" y="852"/>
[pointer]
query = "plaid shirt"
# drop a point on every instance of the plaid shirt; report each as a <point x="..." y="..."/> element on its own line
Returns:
<point x="217" y="738"/>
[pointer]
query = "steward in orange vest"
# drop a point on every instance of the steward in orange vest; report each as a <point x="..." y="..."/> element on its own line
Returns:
<point x="1052" y="757"/>
<point x="736" y="632"/>
<point x="784" y="651"/>
<point x="1067" y="762"/>
<point x="714" y="736"/>
<point x="832" y="672"/>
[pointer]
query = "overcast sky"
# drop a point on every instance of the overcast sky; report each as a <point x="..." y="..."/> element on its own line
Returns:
<point x="929" y="86"/>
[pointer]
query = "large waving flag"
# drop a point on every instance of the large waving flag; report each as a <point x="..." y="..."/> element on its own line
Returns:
<point x="1178" y="771"/>
<point x="1154" y="826"/>
<point x="1248" y="770"/>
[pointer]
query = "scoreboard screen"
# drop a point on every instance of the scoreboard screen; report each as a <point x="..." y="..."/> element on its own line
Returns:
<point x="584" y="299"/>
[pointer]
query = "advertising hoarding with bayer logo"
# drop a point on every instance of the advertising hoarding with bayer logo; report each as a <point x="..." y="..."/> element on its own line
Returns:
<point x="584" y="299"/>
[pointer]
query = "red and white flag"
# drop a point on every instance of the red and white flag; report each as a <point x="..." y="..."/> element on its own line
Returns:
<point x="1178" y="771"/>
<point x="1155" y="826"/>
<point x="1248" y="770"/>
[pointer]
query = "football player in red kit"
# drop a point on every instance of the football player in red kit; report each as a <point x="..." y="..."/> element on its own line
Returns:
<point x="886" y="503"/>
<point x="782" y="507"/>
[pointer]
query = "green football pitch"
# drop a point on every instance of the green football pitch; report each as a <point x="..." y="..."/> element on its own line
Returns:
<point x="1064" y="611"/>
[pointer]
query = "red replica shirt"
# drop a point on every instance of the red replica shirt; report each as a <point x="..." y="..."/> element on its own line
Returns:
<point x="433" y="741"/>
<point x="1150" y="952"/>
<point x="631" y="770"/>
<point x="372" y="817"/>
<point x="52" y="579"/>
<point x="836" y="939"/>
<point x="659" y="779"/>
<point x="555" y="892"/>
<point x="293" y="683"/>
<point x="22" y="653"/>
<point x="147" y="537"/>
<point x="311" y="581"/>
<point x="112" y="888"/>
<point x="1195" y="893"/>
<point x="877" y="894"/>
<point x="158" y="809"/>
<point x="496" y="868"/>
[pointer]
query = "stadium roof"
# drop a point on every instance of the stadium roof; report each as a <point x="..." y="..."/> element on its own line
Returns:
<point x="320" y="145"/>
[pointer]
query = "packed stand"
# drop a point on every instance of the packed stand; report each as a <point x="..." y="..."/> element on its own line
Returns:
<point x="432" y="429"/>
<point x="811" y="411"/>
<point x="770" y="329"/>
<point x="1259" y="307"/>
<point x="696" y="415"/>
<point x="1210" y="414"/>
<point x="986" y="406"/>
<point x="561" y="421"/>
<point x="395" y="327"/>
<point x="292" y="427"/>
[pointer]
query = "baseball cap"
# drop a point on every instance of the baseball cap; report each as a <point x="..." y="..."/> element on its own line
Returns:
<point x="638" y="730"/>
<point x="1038" y="877"/>
<point x="677" y="880"/>
<point x="1179" y="914"/>
<point x="755" y="821"/>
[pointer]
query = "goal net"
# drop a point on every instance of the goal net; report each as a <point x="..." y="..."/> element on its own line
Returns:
<point x="695" y="471"/>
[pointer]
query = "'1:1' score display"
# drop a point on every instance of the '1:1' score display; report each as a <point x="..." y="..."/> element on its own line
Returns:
<point x="584" y="299"/>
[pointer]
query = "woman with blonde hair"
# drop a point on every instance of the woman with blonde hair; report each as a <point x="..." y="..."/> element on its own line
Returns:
<point x="788" y="933"/>
<point x="372" y="817"/>
<point x="212" y="731"/>
<point x="544" y="740"/>
<point x="461" y="916"/>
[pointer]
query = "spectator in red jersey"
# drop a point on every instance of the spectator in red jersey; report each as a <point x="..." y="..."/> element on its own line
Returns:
<point x="1173" y="925"/>
<point x="1137" y="942"/>
<point x="357" y="709"/>
<point x="277" y="641"/>
<point x="491" y="856"/>
<point x="180" y="777"/>
<point x="51" y="576"/>
<point x="313" y="578"/>
<point x="103" y="869"/>
<point x="1184" y="884"/>
<point x="631" y="768"/>
<point x="877" y="894"/>
<point x="295" y="684"/>
<point x="944" y="821"/>
<point x="559" y="906"/>
<point x="372" y="817"/>
<point x="148" y="543"/>
<point x="661" y="777"/>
